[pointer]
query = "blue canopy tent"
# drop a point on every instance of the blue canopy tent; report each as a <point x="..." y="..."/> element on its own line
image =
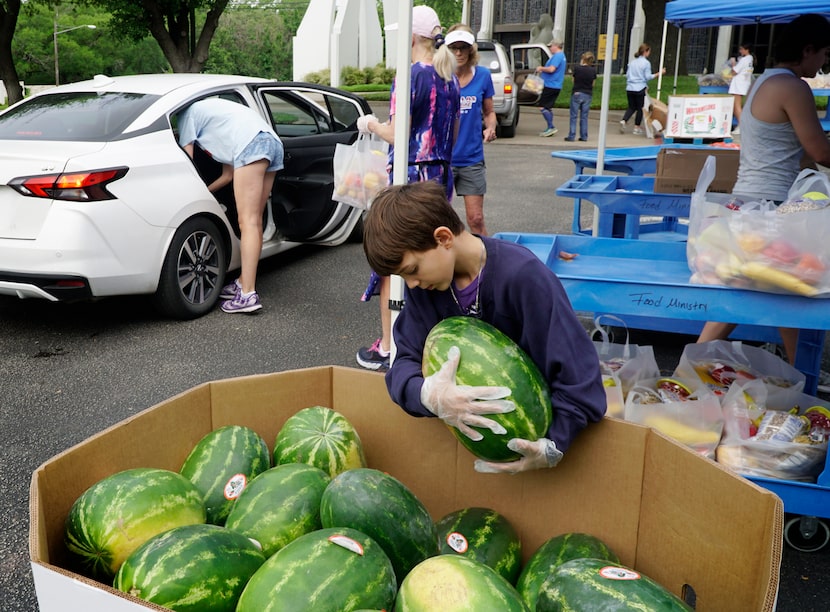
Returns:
<point x="715" y="13"/>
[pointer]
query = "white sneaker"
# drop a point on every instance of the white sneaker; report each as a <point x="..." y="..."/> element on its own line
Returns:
<point x="622" y="126"/>
<point x="736" y="131"/>
<point x="637" y="131"/>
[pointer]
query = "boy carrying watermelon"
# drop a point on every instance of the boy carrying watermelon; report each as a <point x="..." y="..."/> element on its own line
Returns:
<point x="411" y="230"/>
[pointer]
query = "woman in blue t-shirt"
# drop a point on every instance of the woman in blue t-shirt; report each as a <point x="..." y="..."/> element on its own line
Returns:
<point x="468" y="169"/>
<point x="553" y="76"/>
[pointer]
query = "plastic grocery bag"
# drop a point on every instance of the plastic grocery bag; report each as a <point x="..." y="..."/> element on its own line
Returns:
<point x="763" y="437"/>
<point x="629" y="363"/>
<point x="690" y="414"/>
<point x="534" y="84"/>
<point x="754" y="244"/>
<point x="719" y="364"/>
<point x="360" y="170"/>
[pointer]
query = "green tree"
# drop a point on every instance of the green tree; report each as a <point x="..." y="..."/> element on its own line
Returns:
<point x="253" y="42"/>
<point x="9" y="12"/>
<point x="172" y="23"/>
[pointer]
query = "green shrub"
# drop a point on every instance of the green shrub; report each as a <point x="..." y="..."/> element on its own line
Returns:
<point x="321" y="77"/>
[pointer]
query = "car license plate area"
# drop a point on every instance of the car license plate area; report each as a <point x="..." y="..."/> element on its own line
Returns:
<point x="21" y="217"/>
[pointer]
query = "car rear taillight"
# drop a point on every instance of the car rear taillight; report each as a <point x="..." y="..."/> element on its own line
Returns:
<point x="508" y="88"/>
<point x="87" y="186"/>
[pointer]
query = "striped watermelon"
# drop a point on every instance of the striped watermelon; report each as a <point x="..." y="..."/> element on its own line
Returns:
<point x="490" y="358"/>
<point x="221" y="465"/>
<point x="597" y="584"/>
<point x="552" y="554"/>
<point x="280" y="505"/>
<point x="329" y="570"/>
<point x="384" y="509"/>
<point x="485" y="536"/>
<point x="451" y="583"/>
<point x="321" y="437"/>
<point x="194" y="568"/>
<point x="119" y="513"/>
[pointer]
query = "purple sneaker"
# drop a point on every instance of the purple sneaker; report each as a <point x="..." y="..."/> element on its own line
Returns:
<point x="242" y="303"/>
<point x="230" y="290"/>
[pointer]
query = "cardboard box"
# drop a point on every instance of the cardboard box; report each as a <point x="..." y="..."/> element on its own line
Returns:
<point x="683" y="520"/>
<point x="678" y="169"/>
<point x="699" y="117"/>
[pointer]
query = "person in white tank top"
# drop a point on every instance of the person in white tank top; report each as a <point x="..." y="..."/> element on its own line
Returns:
<point x="781" y="132"/>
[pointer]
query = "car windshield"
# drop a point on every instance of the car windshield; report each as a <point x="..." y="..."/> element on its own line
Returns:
<point x="80" y="116"/>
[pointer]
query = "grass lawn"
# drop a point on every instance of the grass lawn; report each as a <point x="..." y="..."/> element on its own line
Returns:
<point x="686" y="85"/>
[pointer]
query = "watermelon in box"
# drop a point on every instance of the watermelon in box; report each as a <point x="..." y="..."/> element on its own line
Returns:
<point x="119" y="513"/>
<point x="451" y="583"/>
<point x="280" y="505"/>
<point x="222" y="464"/>
<point x="483" y="535"/>
<point x="553" y="553"/>
<point x="490" y="358"/>
<point x="191" y="568"/>
<point x="597" y="584"/>
<point x="321" y="437"/>
<point x="383" y="508"/>
<point x="328" y="570"/>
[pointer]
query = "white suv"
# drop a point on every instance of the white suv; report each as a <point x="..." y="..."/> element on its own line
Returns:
<point x="508" y="77"/>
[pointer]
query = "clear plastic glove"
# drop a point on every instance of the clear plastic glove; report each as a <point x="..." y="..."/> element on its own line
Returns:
<point x="539" y="454"/>
<point x="363" y="123"/>
<point x="462" y="406"/>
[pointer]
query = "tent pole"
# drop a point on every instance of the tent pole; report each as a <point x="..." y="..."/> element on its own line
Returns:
<point x="662" y="59"/>
<point x="677" y="60"/>
<point x="606" y="94"/>
<point x="402" y="114"/>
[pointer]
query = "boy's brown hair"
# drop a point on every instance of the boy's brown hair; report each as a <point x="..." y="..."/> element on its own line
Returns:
<point x="404" y="218"/>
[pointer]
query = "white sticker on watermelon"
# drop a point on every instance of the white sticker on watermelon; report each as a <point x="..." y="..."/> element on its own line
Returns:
<point x="457" y="542"/>
<point x="347" y="543"/>
<point x="235" y="485"/>
<point x="612" y="572"/>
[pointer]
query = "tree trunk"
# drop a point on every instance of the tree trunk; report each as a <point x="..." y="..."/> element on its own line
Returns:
<point x="9" y="10"/>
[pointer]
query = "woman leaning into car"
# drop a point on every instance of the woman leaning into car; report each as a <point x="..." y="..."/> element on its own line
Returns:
<point x="251" y="153"/>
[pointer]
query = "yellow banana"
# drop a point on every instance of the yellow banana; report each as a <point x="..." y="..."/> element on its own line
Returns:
<point x="777" y="278"/>
<point x="681" y="432"/>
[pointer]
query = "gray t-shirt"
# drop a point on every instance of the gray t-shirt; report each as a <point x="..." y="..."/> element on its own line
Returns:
<point x="770" y="152"/>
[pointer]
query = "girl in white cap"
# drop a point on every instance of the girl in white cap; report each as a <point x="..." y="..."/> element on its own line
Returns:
<point x="433" y="126"/>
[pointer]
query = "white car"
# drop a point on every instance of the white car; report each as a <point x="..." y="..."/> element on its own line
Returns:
<point x="97" y="198"/>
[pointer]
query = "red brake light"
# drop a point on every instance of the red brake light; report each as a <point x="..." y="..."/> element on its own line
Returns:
<point x="87" y="186"/>
<point x="508" y="88"/>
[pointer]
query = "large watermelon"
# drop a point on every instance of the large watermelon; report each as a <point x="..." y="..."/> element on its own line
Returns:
<point x="321" y="437"/>
<point x="119" y="513"/>
<point x="553" y="553"/>
<point x="384" y="509"/>
<point x="329" y="570"/>
<point x="596" y="584"/>
<point x="280" y="505"/>
<point x="194" y="568"/>
<point x="221" y="465"/>
<point x="451" y="583"/>
<point x="490" y="358"/>
<point x="483" y="535"/>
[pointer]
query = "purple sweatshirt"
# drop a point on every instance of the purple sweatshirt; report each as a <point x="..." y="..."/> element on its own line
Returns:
<point x="525" y="300"/>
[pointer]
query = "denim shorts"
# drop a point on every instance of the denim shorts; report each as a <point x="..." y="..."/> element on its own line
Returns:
<point x="263" y="146"/>
<point x="470" y="180"/>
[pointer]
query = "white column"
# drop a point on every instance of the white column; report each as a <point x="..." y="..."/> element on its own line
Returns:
<point x="723" y="50"/>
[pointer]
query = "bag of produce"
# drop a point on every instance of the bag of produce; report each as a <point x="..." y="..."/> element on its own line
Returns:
<point x="534" y="84"/>
<point x="360" y="170"/>
<point x="718" y="364"/>
<point x="628" y="363"/>
<point x="682" y="409"/>
<point x="765" y="438"/>
<point x="758" y="245"/>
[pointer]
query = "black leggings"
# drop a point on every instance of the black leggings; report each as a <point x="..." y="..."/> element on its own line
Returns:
<point x="636" y="100"/>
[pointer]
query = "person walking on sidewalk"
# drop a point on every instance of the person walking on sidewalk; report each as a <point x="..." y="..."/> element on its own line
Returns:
<point x="584" y="76"/>
<point x="742" y="69"/>
<point x="553" y="75"/>
<point x="477" y="93"/>
<point x="636" y="87"/>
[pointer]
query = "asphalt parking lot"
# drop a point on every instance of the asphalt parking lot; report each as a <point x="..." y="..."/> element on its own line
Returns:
<point x="68" y="371"/>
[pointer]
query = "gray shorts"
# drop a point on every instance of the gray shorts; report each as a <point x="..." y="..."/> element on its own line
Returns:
<point x="470" y="180"/>
<point x="263" y="146"/>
